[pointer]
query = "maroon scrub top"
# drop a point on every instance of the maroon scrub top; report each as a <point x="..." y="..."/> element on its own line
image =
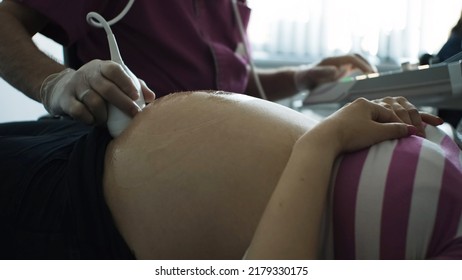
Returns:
<point x="173" y="45"/>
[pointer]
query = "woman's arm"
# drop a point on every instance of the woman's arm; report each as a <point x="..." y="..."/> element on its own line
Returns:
<point x="291" y="222"/>
<point x="290" y="225"/>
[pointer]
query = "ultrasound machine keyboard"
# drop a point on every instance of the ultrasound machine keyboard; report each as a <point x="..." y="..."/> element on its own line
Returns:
<point x="438" y="85"/>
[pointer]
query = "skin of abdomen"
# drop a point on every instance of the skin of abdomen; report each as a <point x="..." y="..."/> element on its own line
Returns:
<point x="191" y="176"/>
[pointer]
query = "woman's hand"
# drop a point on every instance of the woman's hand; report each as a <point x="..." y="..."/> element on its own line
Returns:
<point x="408" y="113"/>
<point x="363" y="123"/>
<point x="83" y="94"/>
<point x="290" y="225"/>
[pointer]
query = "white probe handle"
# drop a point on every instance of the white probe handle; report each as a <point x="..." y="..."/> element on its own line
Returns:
<point x="117" y="120"/>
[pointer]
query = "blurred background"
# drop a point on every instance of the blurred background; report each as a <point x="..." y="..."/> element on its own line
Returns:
<point x="387" y="32"/>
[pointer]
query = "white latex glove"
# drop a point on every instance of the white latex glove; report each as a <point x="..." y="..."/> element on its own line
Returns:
<point x="331" y="69"/>
<point x="83" y="94"/>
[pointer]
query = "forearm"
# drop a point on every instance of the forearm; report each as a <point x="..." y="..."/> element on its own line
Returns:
<point x="22" y="64"/>
<point x="277" y="83"/>
<point x="290" y="225"/>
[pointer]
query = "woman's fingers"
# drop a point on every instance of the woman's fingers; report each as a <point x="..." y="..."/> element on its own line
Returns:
<point x="409" y="114"/>
<point x="431" y="119"/>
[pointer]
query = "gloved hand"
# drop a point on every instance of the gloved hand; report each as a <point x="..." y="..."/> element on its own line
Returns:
<point x="310" y="78"/>
<point x="331" y="69"/>
<point x="83" y="94"/>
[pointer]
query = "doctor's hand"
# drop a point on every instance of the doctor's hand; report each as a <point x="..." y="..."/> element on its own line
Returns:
<point x="361" y="124"/>
<point x="83" y="93"/>
<point x="331" y="69"/>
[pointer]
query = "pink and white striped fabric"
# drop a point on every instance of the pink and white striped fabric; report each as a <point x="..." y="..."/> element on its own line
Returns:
<point x="399" y="199"/>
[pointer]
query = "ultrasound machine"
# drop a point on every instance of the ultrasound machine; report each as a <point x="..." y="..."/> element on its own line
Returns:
<point x="436" y="85"/>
